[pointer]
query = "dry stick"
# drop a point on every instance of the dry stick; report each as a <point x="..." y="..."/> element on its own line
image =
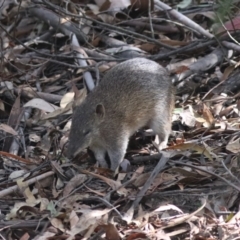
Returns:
<point x="107" y="196"/>
<point x="193" y="46"/>
<point x="229" y="34"/>
<point x="106" y="203"/>
<point x="74" y="191"/>
<point x="150" y="17"/>
<point x="98" y="57"/>
<point x="184" y="218"/>
<point x="231" y="45"/>
<point x="52" y="98"/>
<point x="161" y="164"/>
<point x="211" y="173"/>
<point x="212" y="89"/>
<point x="128" y="216"/>
<point x="30" y="181"/>
<point x="20" y="224"/>
<point x="204" y="63"/>
<point x="132" y="34"/>
<point x="183" y="19"/>
<point x="112" y="42"/>
<point x="2" y="237"/>
<point x="86" y="75"/>
<point x="57" y="22"/>
<point x="156" y="156"/>
<point x="221" y="98"/>
<point x="145" y="25"/>
<point x="142" y="159"/>
<point x="14" y="148"/>
<point x="16" y="112"/>
<point x="69" y="30"/>
<point x="228" y="171"/>
<point x="35" y="74"/>
<point x="27" y="44"/>
<point x="160" y="20"/>
<point x="191" y="192"/>
<point x="56" y="61"/>
<point x="109" y="26"/>
<point x="189" y="47"/>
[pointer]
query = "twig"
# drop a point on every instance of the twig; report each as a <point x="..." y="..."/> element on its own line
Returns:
<point x="107" y="196"/>
<point x="183" y="19"/>
<point x="128" y="216"/>
<point x="206" y="171"/>
<point x="143" y="23"/>
<point x="161" y="164"/>
<point x="205" y="63"/>
<point x="150" y="17"/>
<point x="178" y="51"/>
<point x="184" y="218"/>
<point x="231" y="45"/>
<point x="142" y="159"/>
<point x="57" y="22"/>
<point x="109" y="26"/>
<point x="108" y="204"/>
<point x="189" y="192"/>
<point x="28" y="182"/>
<point x="86" y="75"/>
<point x="52" y="98"/>
<point x="228" y="170"/>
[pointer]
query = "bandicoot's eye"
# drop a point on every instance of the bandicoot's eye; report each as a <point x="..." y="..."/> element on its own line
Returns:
<point x="86" y="132"/>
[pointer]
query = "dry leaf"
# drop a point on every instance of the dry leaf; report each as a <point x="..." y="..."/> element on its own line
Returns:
<point x="113" y="184"/>
<point x="193" y="147"/>
<point x="41" y="104"/>
<point x="74" y="183"/>
<point x="57" y="223"/>
<point x="89" y="217"/>
<point x="8" y="129"/>
<point x="25" y="237"/>
<point x="234" y="145"/>
<point x="114" y="6"/>
<point x="67" y="98"/>
<point x="111" y="232"/>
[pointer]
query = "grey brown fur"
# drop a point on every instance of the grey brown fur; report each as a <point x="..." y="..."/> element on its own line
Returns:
<point x="133" y="94"/>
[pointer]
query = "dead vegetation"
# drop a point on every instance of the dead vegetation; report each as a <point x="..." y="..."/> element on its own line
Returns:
<point x="54" y="52"/>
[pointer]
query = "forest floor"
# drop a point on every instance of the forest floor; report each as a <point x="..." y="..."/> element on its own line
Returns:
<point x="52" y="55"/>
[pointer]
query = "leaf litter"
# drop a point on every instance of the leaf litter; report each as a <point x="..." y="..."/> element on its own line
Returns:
<point x="52" y="55"/>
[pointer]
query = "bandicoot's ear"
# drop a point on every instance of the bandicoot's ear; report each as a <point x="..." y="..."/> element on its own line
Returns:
<point x="100" y="111"/>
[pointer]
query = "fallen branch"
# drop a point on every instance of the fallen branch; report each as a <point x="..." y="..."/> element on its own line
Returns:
<point x="12" y="189"/>
<point x="183" y="19"/>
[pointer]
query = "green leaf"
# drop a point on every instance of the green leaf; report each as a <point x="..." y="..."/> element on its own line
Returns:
<point x="52" y="209"/>
<point x="184" y="3"/>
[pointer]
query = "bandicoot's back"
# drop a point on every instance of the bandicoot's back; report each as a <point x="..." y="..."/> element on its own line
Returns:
<point x="133" y="94"/>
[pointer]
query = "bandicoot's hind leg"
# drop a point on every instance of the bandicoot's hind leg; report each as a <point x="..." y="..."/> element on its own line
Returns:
<point x="162" y="129"/>
<point x="161" y="144"/>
